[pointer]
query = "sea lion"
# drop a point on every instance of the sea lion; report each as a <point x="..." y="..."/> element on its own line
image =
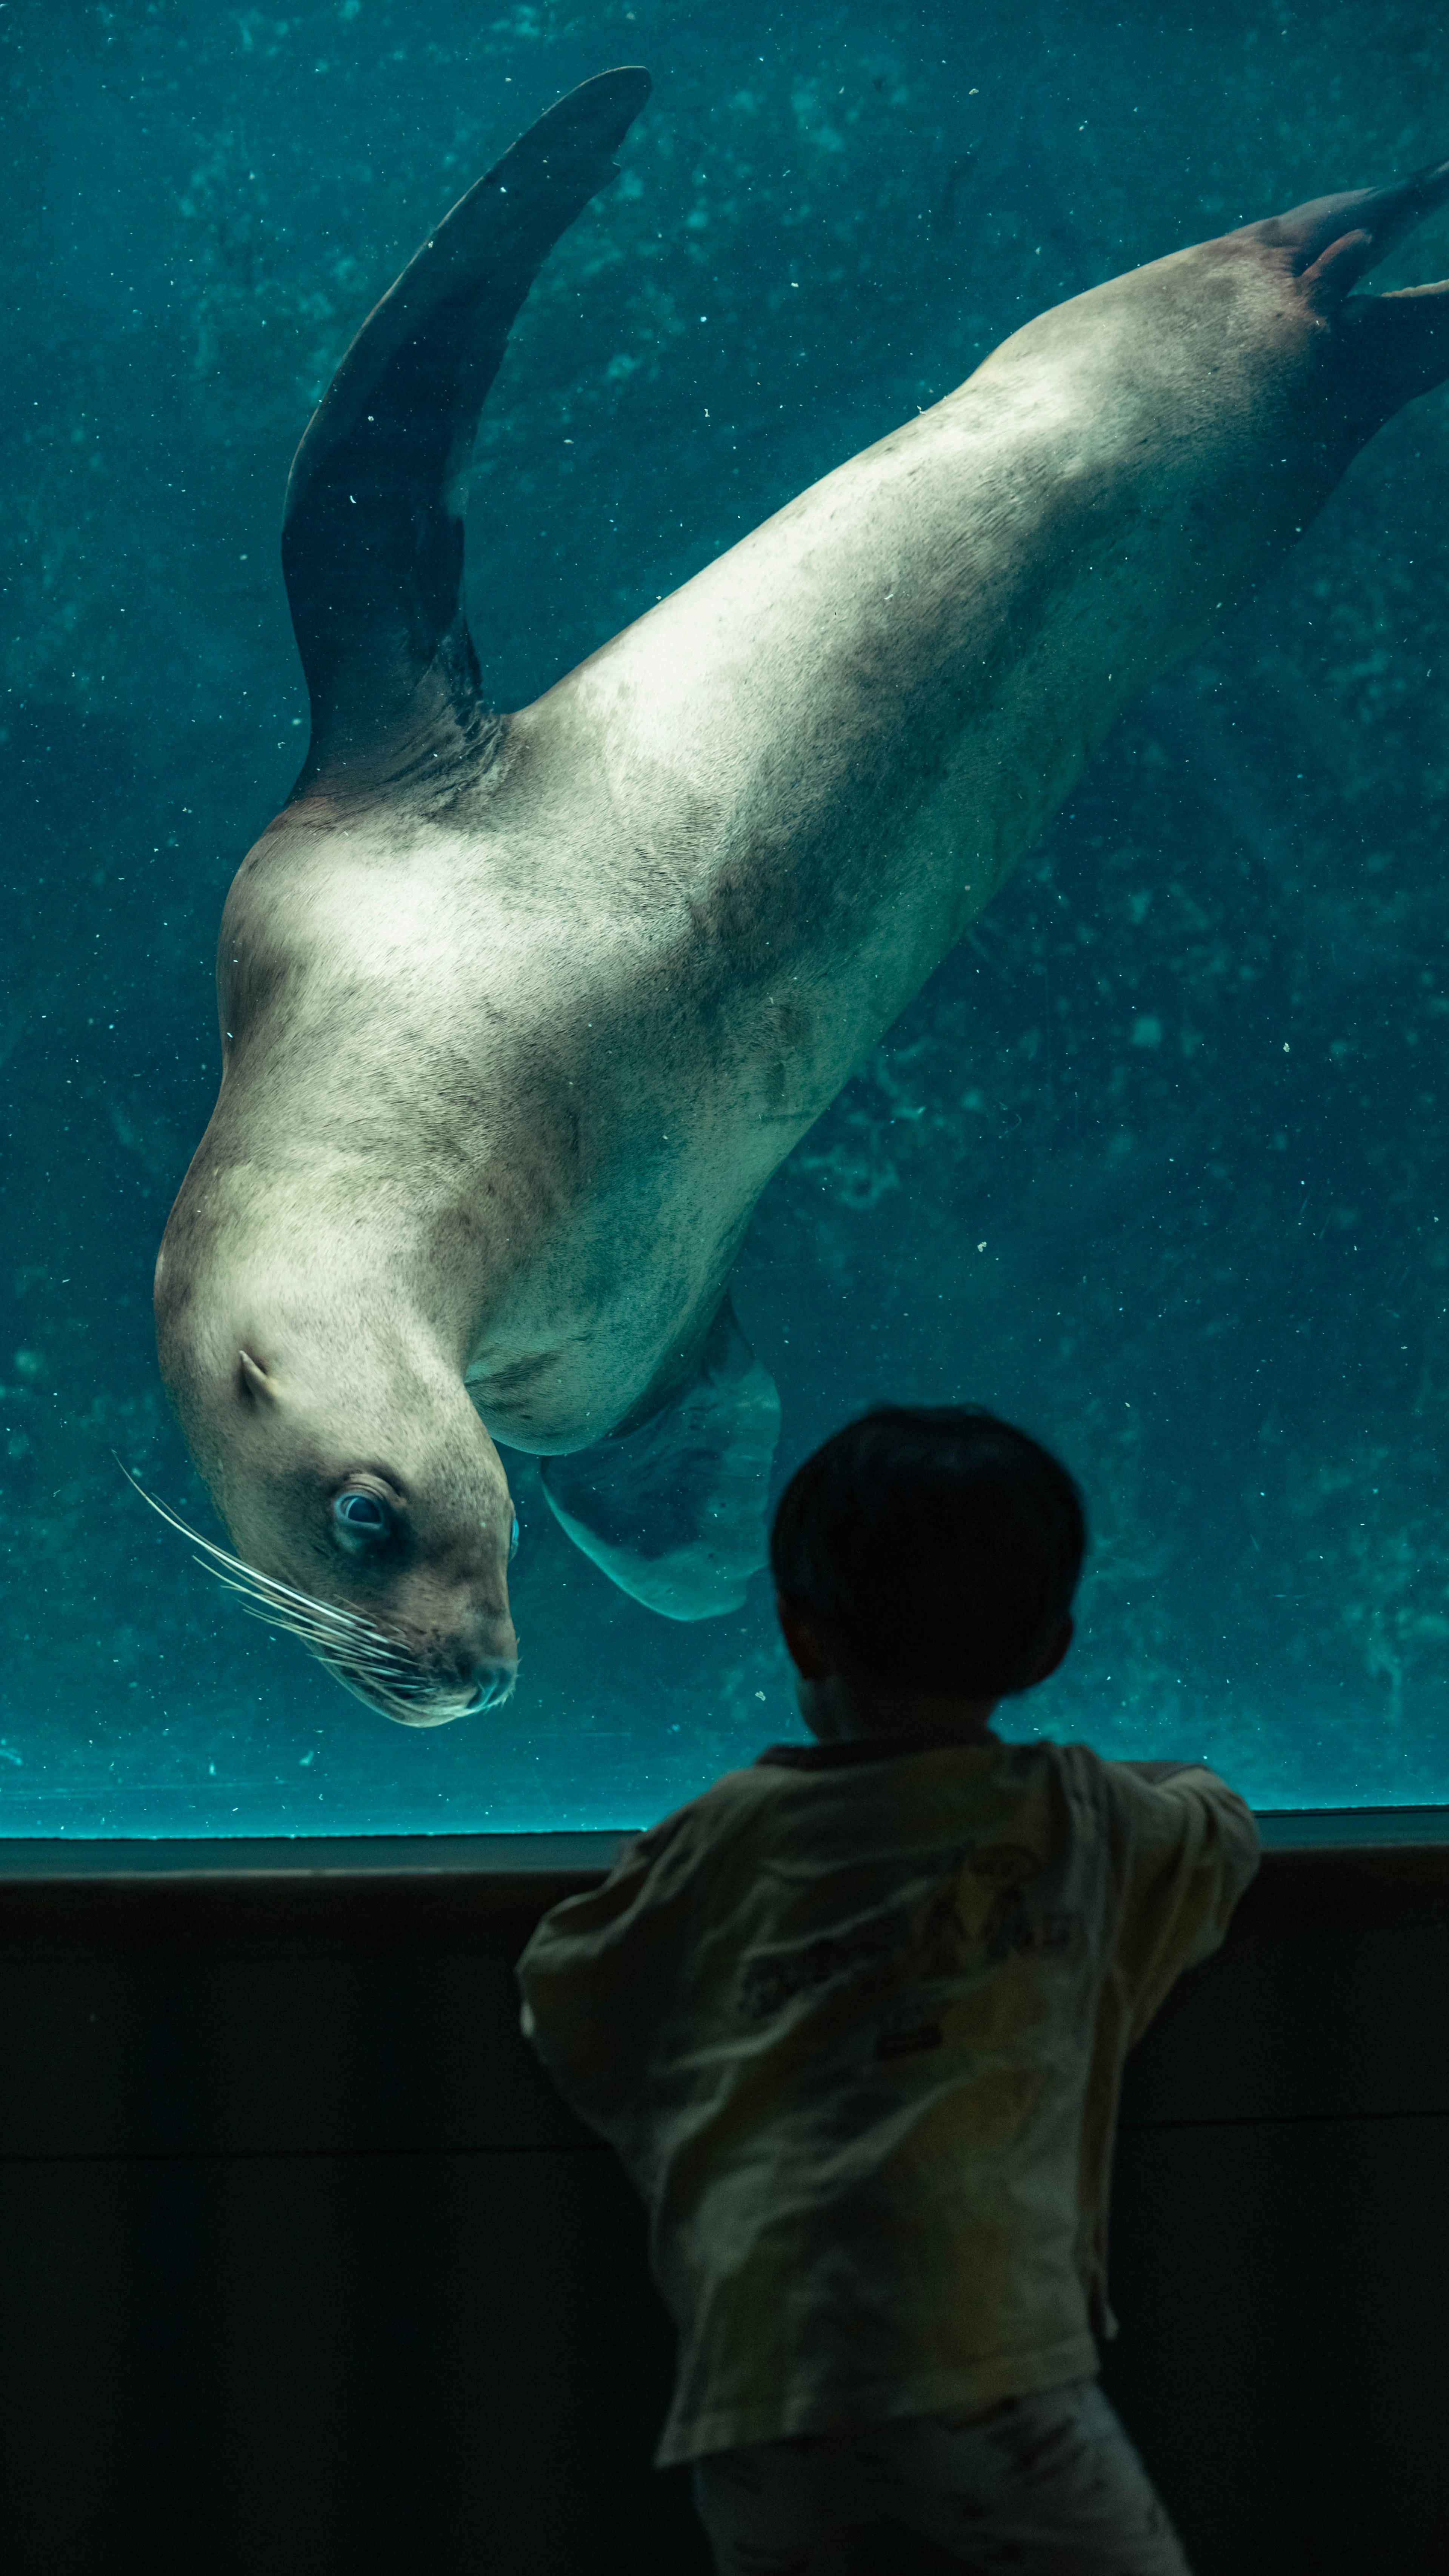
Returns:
<point x="520" y="1013"/>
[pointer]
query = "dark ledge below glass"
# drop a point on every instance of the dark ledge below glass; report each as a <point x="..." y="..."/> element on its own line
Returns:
<point x="581" y="1853"/>
<point x="311" y="1855"/>
<point x="1336" y="1870"/>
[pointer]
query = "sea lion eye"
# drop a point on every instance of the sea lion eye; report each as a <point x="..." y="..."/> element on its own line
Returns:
<point x="361" y="1515"/>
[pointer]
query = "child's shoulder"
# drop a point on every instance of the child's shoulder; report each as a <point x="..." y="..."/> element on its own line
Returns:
<point x="703" y="1819"/>
<point x="787" y="1783"/>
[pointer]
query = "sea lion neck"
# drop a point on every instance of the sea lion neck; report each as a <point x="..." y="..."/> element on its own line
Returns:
<point x="336" y="1225"/>
<point x="354" y="1285"/>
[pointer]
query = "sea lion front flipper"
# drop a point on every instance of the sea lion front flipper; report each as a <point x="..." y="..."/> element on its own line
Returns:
<point x="372" y="539"/>
<point x="674" y="1512"/>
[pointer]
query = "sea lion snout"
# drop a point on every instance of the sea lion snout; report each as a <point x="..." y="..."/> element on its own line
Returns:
<point x="453" y="1648"/>
<point x="492" y="1685"/>
<point x="422" y="1646"/>
<point x="422" y="1633"/>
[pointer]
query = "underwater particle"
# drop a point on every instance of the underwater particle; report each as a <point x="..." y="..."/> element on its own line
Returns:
<point x="30" y="1365"/>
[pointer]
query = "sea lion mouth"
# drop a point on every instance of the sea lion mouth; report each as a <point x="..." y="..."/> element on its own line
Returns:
<point x="436" y="1703"/>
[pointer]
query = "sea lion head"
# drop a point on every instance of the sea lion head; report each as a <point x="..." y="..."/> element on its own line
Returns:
<point x="370" y="1516"/>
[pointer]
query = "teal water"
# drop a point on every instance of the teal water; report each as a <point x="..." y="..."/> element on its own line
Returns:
<point x="1153" y="1164"/>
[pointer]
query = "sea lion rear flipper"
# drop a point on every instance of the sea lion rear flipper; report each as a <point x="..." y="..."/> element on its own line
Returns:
<point x="372" y="539"/>
<point x="1396" y="345"/>
<point x="674" y="1512"/>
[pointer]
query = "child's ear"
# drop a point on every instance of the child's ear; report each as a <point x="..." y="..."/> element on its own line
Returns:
<point x="808" y="1647"/>
<point x="1054" y="1654"/>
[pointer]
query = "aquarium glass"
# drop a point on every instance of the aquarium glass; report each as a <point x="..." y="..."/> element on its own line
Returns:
<point x="1153" y="1164"/>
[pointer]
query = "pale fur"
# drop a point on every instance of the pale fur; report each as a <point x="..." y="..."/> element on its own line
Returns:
<point x="504" y="1077"/>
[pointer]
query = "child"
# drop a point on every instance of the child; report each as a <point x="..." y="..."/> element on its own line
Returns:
<point x="855" y="2021"/>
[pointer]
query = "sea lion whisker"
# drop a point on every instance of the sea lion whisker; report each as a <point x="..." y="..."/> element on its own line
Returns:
<point x="280" y="1604"/>
<point x="356" y="1641"/>
<point x="380" y="1670"/>
<point x="222" y="1555"/>
<point x="302" y="1612"/>
<point x="282" y="1600"/>
<point x="368" y="1662"/>
<point x="267" y="1586"/>
<point x="258" y="1607"/>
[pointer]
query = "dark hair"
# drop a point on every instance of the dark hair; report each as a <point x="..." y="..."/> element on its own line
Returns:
<point x="939" y="1548"/>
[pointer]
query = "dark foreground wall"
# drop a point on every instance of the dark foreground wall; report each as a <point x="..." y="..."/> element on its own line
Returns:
<point x="306" y="2272"/>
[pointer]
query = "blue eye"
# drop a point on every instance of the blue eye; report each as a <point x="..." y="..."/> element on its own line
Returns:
<point x="513" y="1542"/>
<point x="361" y="1513"/>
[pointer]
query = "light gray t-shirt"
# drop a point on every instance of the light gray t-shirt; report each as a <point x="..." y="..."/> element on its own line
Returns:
<point x="855" y="2022"/>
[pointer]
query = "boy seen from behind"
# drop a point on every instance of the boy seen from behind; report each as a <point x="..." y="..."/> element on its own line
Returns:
<point x="855" y="2022"/>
